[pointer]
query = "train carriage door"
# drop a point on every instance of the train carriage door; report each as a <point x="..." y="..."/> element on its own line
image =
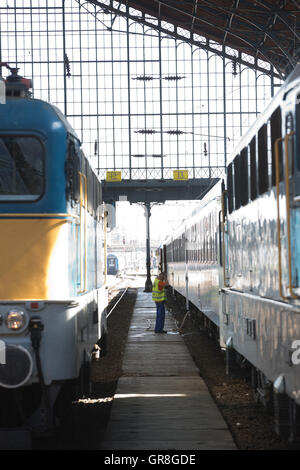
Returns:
<point x="292" y="189"/>
<point x="297" y="153"/>
<point x="227" y="202"/>
<point x="288" y="220"/>
<point x="295" y="202"/>
<point x="72" y="169"/>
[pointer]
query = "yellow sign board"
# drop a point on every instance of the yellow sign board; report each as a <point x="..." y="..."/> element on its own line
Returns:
<point x="180" y="175"/>
<point x="112" y="176"/>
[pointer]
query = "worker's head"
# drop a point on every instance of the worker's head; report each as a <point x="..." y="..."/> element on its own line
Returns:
<point x="161" y="276"/>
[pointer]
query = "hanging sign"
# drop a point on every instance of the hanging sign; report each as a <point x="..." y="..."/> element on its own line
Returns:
<point x="112" y="176"/>
<point x="180" y="175"/>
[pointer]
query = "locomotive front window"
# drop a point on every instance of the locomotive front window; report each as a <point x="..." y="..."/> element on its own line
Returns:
<point x="21" y="168"/>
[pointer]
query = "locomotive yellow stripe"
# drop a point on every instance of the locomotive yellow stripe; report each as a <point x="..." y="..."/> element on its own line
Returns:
<point x="33" y="215"/>
<point x="30" y="250"/>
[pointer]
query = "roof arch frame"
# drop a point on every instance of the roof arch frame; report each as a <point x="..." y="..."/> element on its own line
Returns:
<point x="208" y="44"/>
<point x="264" y="31"/>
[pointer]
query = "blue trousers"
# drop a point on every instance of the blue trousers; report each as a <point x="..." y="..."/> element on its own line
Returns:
<point x="160" y="316"/>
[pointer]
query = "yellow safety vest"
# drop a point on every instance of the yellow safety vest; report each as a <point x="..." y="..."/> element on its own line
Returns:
<point x="158" y="295"/>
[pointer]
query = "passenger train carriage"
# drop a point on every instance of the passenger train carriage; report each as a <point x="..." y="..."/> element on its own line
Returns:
<point x="238" y="258"/>
<point x="52" y="296"/>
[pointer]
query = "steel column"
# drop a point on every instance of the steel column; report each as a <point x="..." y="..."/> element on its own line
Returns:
<point x="148" y="284"/>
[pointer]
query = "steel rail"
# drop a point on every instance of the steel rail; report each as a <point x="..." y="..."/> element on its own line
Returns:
<point x="110" y="312"/>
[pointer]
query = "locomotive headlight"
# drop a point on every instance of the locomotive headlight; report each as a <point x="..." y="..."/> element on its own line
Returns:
<point x="15" y="319"/>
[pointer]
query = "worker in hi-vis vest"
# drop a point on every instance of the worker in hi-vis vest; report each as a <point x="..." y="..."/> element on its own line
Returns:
<point x="159" y="297"/>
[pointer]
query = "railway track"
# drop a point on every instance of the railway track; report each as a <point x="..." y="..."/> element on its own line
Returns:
<point x="120" y="284"/>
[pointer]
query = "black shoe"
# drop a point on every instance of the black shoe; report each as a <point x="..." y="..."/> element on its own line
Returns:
<point x="162" y="331"/>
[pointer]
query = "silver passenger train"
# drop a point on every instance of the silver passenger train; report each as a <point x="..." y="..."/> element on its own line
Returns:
<point x="237" y="259"/>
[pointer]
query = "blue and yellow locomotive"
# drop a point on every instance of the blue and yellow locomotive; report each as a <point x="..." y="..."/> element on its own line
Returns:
<point x="52" y="295"/>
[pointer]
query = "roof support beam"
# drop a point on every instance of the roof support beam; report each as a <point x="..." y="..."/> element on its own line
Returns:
<point x="251" y="46"/>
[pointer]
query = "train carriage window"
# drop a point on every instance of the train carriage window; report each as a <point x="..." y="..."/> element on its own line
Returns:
<point x="244" y="176"/>
<point x="83" y="164"/>
<point x="211" y="247"/>
<point x="206" y="239"/>
<point x="94" y="194"/>
<point x="187" y="246"/>
<point x="72" y="168"/>
<point x="21" y="168"/>
<point x="204" y="247"/>
<point x="237" y="181"/>
<point x="98" y="195"/>
<point x="174" y="250"/>
<point x="253" y="176"/>
<point x="289" y="129"/>
<point x="207" y="246"/>
<point x="95" y="184"/>
<point x="202" y="242"/>
<point x="90" y="190"/>
<point x="210" y="254"/>
<point x="230" y="188"/>
<point x="182" y="256"/>
<point x="276" y="134"/>
<point x="269" y="150"/>
<point x="198" y="242"/>
<point x="224" y="197"/>
<point x="216" y="247"/>
<point x="83" y="180"/>
<point x="216" y="236"/>
<point x="263" y="179"/>
<point x="194" y="243"/>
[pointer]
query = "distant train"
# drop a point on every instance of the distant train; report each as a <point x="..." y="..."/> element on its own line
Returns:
<point x="238" y="258"/>
<point x="52" y="297"/>
<point x="112" y="264"/>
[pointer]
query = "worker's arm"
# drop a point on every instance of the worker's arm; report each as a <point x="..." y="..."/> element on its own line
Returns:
<point x="162" y="284"/>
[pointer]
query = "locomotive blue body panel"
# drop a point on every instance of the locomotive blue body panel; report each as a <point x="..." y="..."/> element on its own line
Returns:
<point x="46" y="122"/>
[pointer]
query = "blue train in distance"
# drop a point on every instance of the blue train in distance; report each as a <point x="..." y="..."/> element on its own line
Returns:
<point x="112" y="264"/>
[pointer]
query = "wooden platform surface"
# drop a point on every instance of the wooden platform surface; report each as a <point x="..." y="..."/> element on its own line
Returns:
<point x="161" y="402"/>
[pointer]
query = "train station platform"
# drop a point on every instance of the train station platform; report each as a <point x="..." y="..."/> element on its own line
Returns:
<point x="161" y="402"/>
